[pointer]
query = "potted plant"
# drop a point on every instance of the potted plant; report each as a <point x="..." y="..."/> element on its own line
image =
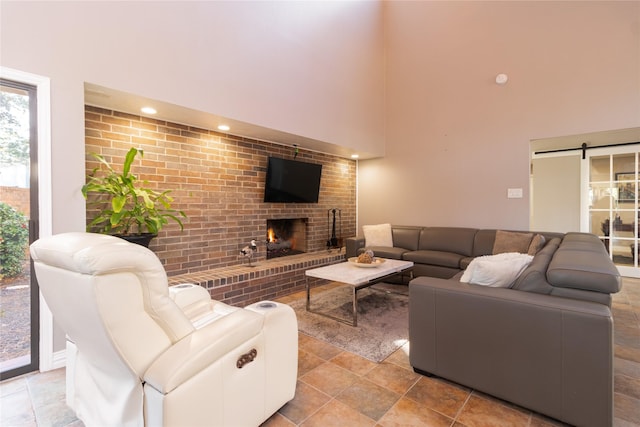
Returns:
<point x="126" y="207"/>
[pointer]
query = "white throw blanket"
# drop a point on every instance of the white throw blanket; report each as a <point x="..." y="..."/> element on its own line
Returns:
<point x="499" y="270"/>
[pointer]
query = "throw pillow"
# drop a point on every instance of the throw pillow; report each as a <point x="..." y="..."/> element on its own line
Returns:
<point x="511" y="241"/>
<point x="499" y="270"/>
<point x="537" y="243"/>
<point x="378" y="235"/>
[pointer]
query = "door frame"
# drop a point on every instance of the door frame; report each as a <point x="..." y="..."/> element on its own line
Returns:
<point x="45" y="222"/>
<point x="585" y="164"/>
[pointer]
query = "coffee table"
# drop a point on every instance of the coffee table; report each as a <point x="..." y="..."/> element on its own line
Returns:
<point x="357" y="277"/>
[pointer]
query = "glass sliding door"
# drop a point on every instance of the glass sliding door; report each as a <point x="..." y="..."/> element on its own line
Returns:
<point x="19" y="308"/>
<point x="613" y="203"/>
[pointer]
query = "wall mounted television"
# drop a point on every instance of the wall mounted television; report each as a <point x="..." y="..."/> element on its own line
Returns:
<point x="292" y="181"/>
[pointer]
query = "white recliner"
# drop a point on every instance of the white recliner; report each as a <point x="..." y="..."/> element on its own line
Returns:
<point x="141" y="353"/>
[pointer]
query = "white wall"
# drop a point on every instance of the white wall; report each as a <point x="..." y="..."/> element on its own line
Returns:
<point x="455" y="140"/>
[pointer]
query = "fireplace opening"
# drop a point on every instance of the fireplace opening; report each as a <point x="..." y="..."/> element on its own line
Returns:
<point x="286" y="237"/>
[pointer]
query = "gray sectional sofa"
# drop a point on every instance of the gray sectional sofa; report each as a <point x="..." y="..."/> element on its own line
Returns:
<point x="544" y="343"/>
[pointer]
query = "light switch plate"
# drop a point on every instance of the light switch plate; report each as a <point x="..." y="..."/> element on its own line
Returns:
<point x="514" y="193"/>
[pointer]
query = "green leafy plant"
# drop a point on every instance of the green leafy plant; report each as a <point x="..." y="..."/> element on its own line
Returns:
<point x="125" y="205"/>
<point x="14" y="238"/>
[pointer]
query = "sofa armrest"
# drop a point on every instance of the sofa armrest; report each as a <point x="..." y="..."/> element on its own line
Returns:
<point x="197" y="351"/>
<point x="582" y="262"/>
<point x="550" y="354"/>
<point x="353" y="244"/>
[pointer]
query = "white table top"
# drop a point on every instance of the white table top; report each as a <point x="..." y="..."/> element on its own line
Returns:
<point x="346" y="272"/>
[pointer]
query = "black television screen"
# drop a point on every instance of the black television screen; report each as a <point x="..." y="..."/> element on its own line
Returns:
<point x="292" y="181"/>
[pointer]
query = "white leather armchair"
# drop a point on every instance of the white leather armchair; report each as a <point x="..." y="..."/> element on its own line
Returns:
<point x="141" y="353"/>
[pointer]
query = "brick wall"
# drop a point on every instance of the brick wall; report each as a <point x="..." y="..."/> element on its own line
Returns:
<point x="17" y="198"/>
<point x="218" y="181"/>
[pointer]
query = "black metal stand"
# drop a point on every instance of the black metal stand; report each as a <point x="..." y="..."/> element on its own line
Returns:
<point x="334" y="228"/>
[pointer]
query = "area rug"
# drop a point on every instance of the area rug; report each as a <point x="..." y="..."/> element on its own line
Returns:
<point x="383" y="319"/>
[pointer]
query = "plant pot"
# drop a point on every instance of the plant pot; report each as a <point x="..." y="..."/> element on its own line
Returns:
<point x="142" y="239"/>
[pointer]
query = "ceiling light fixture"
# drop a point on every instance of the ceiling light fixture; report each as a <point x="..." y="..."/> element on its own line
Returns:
<point x="355" y="156"/>
<point x="223" y="127"/>
<point x="148" y="110"/>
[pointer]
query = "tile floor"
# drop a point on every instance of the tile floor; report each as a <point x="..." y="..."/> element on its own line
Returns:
<point x="337" y="388"/>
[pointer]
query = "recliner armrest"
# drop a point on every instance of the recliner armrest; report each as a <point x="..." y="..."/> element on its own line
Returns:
<point x="197" y="305"/>
<point x="199" y="350"/>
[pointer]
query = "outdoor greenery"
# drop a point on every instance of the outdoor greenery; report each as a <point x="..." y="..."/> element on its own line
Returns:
<point x="125" y="204"/>
<point x="14" y="238"/>
<point x="14" y="138"/>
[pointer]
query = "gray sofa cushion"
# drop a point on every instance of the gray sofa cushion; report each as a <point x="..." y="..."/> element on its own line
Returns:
<point x="483" y="242"/>
<point x="444" y="259"/>
<point x="406" y="237"/>
<point x="385" y="252"/>
<point x="456" y="240"/>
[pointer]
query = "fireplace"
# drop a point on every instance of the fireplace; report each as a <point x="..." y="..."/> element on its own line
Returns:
<point x="286" y="237"/>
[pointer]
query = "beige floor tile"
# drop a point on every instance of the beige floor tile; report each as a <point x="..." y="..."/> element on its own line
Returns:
<point x="440" y="395"/>
<point x="400" y="357"/>
<point x="319" y="348"/>
<point x="54" y="414"/>
<point x="329" y="378"/>
<point x="48" y="387"/>
<point x="480" y="412"/>
<point x="306" y="401"/>
<point x="368" y="398"/>
<point x="393" y="377"/>
<point x="16" y="409"/>
<point x="408" y="413"/>
<point x="627" y="385"/>
<point x="627" y="335"/>
<point x="335" y="413"/>
<point x="626" y="408"/>
<point x="628" y="353"/>
<point x="11" y="386"/>
<point x="307" y="361"/>
<point x="278" y="420"/>
<point x="354" y="363"/>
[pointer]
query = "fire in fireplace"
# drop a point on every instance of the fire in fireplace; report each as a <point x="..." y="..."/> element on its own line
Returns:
<point x="286" y="237"/>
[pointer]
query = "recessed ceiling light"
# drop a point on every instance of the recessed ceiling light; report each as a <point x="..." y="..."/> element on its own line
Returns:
<point x="355" y="156"/>
<point x="148" y="110"/>
<point x="223" y="127"/>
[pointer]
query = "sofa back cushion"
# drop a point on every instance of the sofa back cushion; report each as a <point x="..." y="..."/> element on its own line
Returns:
<point x="406" y="237"/>
<point x="512" y="241"/>
<point x="483" y="242"/>
<point x="457" y="240"/>
<point x="534" y="277"/>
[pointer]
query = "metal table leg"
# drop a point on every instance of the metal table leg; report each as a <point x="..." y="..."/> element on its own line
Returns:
<point x="355" y="306"/>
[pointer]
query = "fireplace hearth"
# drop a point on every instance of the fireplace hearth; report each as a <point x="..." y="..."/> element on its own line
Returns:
<point x="286" y="237"/>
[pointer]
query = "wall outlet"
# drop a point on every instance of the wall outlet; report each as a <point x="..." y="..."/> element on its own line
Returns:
<point x="514" y="193"/>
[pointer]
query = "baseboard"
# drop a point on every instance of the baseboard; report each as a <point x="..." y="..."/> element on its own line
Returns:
<point x="59" y="359"/>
